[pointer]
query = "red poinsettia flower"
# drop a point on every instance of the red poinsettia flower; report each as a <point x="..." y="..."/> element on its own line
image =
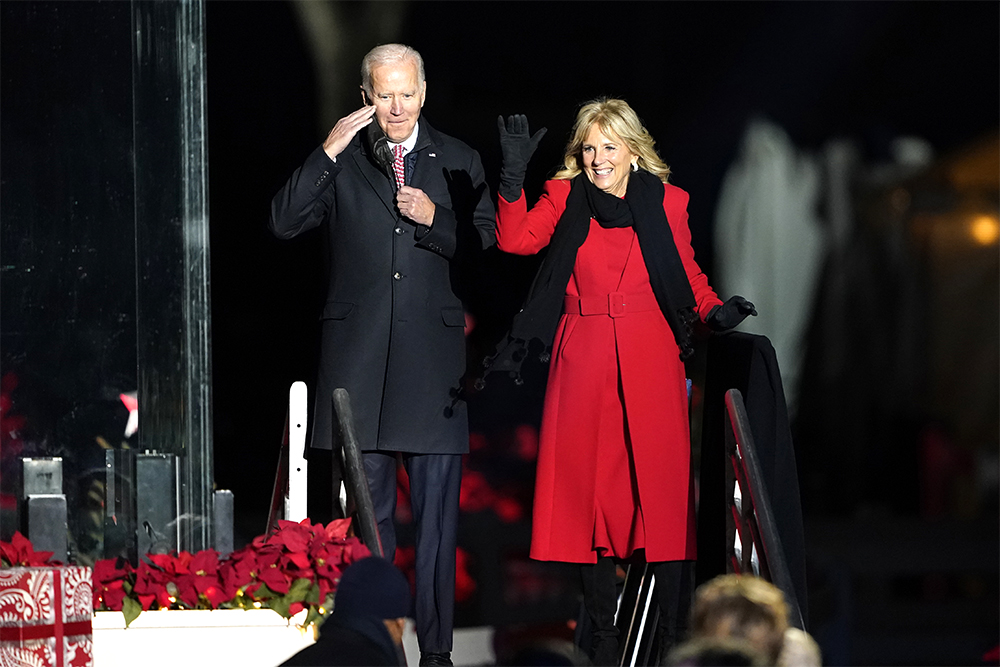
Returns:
<point x="205" y="563"/>
<point x="293" y="537"/>
<point x="201" y="578"/>
<point x="274" y="578"/>
<point x="268" y="554"/>
<point x="152" y="581"/>
<point x="109" y="582"/>
<point x="235" y="574"/>
<point x="296" y="562"/>
<point x="110" y="595"/>
<point x="170" y="564"/>
<point x="19" y="553"/>
<point x="297" y="566"/>
<point x="337" y="529"/>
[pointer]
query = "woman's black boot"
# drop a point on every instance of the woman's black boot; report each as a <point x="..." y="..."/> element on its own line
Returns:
<point x="674" y="588"/>
<point x="600" y="598"/>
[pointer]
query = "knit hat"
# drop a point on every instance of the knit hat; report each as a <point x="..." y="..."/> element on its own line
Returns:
<point x="373" y="587"/>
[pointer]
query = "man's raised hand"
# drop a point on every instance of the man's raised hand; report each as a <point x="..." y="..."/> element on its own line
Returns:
<point x="345" y="129"/>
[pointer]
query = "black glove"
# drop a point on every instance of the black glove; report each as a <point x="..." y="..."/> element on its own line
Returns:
<point x="729" y="314"/>
<point x="517" y="148"/>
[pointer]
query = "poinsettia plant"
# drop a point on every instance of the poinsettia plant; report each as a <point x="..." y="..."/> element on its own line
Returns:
<point x="19" y="552"/>
<point x="294" y="568"/>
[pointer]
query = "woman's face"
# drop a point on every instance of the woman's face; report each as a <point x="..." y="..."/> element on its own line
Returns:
<point x="607" y="161"/>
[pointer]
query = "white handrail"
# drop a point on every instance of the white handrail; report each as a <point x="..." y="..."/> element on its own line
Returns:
<point x="298" y="468"/>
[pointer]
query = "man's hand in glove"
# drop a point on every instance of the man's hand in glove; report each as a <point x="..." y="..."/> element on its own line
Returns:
<point x="517" y="147"/>
<point x="729" y="314"/>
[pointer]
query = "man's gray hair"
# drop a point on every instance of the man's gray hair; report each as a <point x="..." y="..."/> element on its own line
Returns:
<point x="386" y="54"/>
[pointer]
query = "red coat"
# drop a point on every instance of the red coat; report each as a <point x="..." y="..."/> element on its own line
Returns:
<point x="614" y="459"/>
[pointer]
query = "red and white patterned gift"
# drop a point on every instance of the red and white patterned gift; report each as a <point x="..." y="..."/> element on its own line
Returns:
<point x="45" y="617"/>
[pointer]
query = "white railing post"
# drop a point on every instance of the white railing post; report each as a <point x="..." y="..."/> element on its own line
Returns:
<point x="298" y="468"/>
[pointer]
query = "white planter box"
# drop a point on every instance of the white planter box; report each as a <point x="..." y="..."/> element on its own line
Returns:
<point x="249" y="638"/>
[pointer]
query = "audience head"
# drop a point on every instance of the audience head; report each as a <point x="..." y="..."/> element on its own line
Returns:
<point x="374" y="588"/>
<point x="741" y="607"/>
<point x="716" y="652"/>
<point x="799" y="650"/>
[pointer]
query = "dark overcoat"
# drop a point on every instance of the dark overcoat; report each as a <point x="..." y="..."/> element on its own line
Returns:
<point x="393" y="322"/>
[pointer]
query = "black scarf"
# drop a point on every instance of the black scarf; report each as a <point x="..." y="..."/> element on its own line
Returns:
<point x="534" y="327"/>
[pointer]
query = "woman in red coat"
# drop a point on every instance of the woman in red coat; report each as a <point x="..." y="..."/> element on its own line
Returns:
<point x="612" y="306"/>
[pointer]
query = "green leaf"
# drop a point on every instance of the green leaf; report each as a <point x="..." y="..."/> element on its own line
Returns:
<point x="314" y="617"/>
<point x="299" y="589"/>
<point x="264" y="593"/>
<point x="282" y="606"/>
<point x="312" y="597"/>
<point x="131" y="610"/>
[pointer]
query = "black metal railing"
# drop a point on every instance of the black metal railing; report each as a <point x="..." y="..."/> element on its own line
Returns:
<point x="754" y="545"/>
<point x="288" y="496"/>
<point x="359" y="497"/>
<point x="637" y="617"/>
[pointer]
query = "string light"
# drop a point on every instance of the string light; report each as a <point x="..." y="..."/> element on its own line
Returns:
<point x="985" y="229"/>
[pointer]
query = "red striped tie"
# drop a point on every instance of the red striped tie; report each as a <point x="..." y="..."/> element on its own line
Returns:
<point x="397" y="165"/>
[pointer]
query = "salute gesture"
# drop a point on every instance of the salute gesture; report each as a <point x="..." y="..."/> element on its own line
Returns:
<point x="345" y="129"/>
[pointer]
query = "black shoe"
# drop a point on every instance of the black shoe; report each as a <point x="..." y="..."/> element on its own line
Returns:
<point x="431" y="659"/>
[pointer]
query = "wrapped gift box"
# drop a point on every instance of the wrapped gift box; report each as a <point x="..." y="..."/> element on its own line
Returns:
<point x="45" y="616"/>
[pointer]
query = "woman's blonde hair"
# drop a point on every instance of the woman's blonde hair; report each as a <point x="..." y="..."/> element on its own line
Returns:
<point x="616" y="119"/>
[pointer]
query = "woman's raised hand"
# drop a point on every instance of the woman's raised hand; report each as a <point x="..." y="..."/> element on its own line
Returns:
<point x="517" y="146"/>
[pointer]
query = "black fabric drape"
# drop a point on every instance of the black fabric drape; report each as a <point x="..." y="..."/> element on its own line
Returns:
<point x="747" y="362"/>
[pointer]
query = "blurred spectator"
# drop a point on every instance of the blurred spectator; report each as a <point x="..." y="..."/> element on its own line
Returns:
<point x="716" y="652"/>
<point x="750" y="609"/>
<point x="369" y="614"/>
<point x="799" y="649"/>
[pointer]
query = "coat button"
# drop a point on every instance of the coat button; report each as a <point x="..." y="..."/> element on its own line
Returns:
<point x="397" y="276"/>
<point x="399" y="231"/>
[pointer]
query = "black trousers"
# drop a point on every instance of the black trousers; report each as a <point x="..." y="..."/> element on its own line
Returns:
<point x="435" y="481"/>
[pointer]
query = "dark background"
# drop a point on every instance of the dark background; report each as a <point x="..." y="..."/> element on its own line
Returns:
<point x="696" y="73"/>
<point x="896" y="434"/>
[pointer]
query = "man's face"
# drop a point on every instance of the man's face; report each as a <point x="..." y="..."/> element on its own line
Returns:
<point x="398" y="98"/>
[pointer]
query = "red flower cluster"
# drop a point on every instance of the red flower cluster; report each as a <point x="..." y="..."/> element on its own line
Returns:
<point x="20" y="553"/>
<point x="297" y="567"/>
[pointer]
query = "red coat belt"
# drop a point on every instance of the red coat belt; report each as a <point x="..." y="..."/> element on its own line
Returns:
<point x="615" y="304"/>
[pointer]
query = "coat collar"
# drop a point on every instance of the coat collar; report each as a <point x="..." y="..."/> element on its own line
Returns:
<point x="427" y="138"/>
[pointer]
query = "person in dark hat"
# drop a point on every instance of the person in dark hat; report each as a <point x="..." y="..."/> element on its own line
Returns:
<point x="366" y="627"/>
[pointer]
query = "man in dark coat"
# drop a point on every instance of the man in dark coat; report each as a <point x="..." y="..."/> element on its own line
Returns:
<point x="369" y="614"/>
<point x="403" y="208"/>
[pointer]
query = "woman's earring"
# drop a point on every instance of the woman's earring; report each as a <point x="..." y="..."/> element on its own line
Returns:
<point x="635" y="166"/>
